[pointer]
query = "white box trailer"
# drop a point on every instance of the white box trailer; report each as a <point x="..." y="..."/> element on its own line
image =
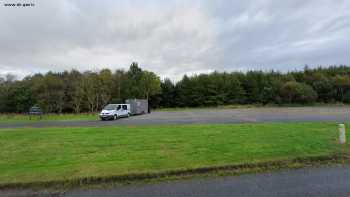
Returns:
<point x="138" y="106"/>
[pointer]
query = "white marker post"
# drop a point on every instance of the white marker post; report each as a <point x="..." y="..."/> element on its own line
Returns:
<point x="342" y="136"/>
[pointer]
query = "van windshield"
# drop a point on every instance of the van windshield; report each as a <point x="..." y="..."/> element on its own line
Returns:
<point x="109" y="107"/>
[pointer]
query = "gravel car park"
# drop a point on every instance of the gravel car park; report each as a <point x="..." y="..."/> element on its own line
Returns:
<point x="204" y="116"/>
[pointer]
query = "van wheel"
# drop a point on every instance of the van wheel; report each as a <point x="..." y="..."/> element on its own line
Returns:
<point x="115" y="117"/>
<point x="128" y="114"/>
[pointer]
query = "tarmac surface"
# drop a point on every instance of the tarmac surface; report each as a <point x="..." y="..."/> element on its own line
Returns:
<point x="320" y="182"/>
<point x="204" y="116"/>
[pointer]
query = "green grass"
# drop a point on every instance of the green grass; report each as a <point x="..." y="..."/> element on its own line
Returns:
<point x="10" y="118"/>
<point x="56" y="154"/>
<point x="239" y="106"/>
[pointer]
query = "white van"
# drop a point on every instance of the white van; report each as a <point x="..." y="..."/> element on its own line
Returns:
<point x="115" y="111"/>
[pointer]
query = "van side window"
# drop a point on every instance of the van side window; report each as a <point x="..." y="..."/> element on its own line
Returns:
<point x="125" y="107"/>
<point x="119" y="106"/>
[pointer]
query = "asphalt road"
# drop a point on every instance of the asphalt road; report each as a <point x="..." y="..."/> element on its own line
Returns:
<point x="324" y="181"/>
<point x="337" y="114"/>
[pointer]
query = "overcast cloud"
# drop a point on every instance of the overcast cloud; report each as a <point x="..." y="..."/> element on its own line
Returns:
<point x="172" y="38"/>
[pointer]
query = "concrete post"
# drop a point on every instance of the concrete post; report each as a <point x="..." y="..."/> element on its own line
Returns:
<point x="342" y="135"/>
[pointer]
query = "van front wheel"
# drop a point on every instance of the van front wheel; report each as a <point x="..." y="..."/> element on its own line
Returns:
<point x="115" y="117"/>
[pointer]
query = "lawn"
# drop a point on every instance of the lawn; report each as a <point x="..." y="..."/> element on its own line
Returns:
<point x="48" y="154"/>
<point x="245" y="106"/>
<point x="9" y="118"/>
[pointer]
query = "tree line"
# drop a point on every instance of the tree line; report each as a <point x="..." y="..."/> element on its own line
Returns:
<point x="73" y="91"/>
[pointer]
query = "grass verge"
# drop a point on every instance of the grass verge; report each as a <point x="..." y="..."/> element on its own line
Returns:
<point x="111" y="180"/>
<point x="78" y="156"/>
<point x="238" y="106"/>
<point x="11" y="118"/>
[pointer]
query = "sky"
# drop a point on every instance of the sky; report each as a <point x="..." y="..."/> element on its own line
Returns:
<point x="173" y="38"/>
